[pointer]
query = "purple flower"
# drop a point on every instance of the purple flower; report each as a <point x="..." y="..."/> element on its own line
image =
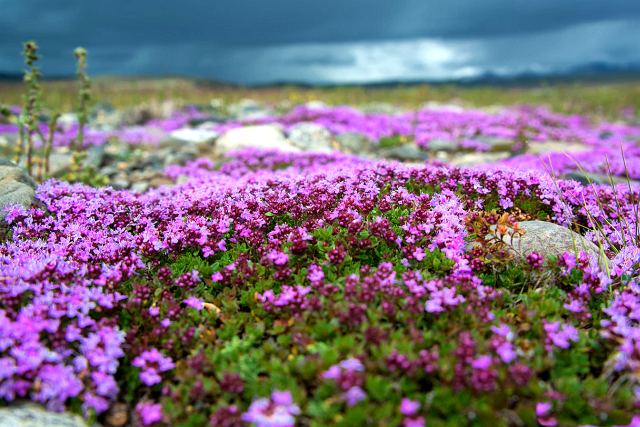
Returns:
<point x="409" y="407"/>
<point x="482" y="362"/>
<point x="152" y="363"/>
<point x="194" y="303"/>
<point x="149" y="413"/>
<point x="354" y="395"/>
<point x="278" y="411"/>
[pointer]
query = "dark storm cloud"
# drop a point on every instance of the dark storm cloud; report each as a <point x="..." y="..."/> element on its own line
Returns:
<point x="260" y="40"/>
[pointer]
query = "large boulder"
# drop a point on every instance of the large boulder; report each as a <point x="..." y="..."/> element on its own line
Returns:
<point x="265" y="137"/>
<point x="31" y="415"/>
<point x="16" y="187"/>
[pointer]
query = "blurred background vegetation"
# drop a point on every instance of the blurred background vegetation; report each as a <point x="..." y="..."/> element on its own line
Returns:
<point x="606" y="99"/>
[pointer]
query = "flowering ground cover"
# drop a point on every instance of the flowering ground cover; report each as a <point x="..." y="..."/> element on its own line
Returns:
<point x="313" y="289"/>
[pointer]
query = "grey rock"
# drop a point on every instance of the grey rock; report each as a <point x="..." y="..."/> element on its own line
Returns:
<point x="248" y="109"/>
<point x="67" y="120"/>
<point x="94" y="157"/>
<point x="117" y="149"/>
<point x="140" y="187"/>
<point x="310" y="137"/>
<point x="549" y="239"/>
<point x="105" y="117"/>
<point x="59" y="161"/>
<point x="31" y="415"/>
<point x="16" y="187"/>
<point x="586" y="178"/>
<point x="109" y="170"/>
<point x="267" y="137"/>
<point x="315" y="105"/>
<point x="473" y="159"/>
<point x="439" y="106"/>
<point x="8" y="139"/>
<point x="354" y="143"/>
<point x="556" y="146"/>
<point x="380" y="108"/>
<point x="194" y="136"/>
<point x="217" y="104"/>
<point x="442" y="145"/>
<point x="405" y="152"/>
<point x="120" y="182"/>
<point x="496" y="144"/>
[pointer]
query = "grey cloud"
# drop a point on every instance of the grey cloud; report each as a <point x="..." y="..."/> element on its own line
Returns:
<point x="330" y="40"/>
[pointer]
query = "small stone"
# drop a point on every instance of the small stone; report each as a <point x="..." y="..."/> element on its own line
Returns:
<point x="405" y="153"/>
<point x="473" y="159"/>
<point x="67" y="120"/>
<point x="140" y="187"/>
<point x="310" y="137"/>
<point x="117" y="416"/>
<point x="248" y="109"/>
<point x="159" y="181"/>
<point x="354" y="143"/>
<point x="495" y="144"/>
<point x="16" y="187"/>
<point x="94" y="157"/>
<point x="587" y="178"/>
<point x="59" y="161"/>
<point x="442" y="145"/>
<point x="556" y="146"/>
<point x="380" y="108"/>
<point x="120" y="182"/>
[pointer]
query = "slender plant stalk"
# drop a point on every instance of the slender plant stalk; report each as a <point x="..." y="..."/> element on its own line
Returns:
<point x="53" y="122"/>
<point x="84" y="94"/>
<point x="32" y="100"/>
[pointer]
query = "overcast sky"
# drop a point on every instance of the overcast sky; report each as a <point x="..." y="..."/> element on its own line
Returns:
<point x="259" y="41"/>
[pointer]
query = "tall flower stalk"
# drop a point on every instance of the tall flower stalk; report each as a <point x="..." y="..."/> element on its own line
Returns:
<point x="84" y="93"/>
<point x="28" y="119"/>
<point x="84" y="97"/>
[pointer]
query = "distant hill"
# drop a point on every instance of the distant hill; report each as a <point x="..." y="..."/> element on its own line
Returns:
<point x="10" y="77"/>
<point x="595" y="72"/>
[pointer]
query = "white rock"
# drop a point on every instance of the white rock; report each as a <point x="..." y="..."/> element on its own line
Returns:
<point x="194" y="136"/>
<point x="265" y="137"/>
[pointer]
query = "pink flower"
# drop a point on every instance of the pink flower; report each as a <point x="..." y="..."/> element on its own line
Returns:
<point x="409" y="407"/>
<point x="149" y="413"/>
<point x="354" y="395"/>
<point x="278" y="411"/>
<point x="194" y="303"/>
